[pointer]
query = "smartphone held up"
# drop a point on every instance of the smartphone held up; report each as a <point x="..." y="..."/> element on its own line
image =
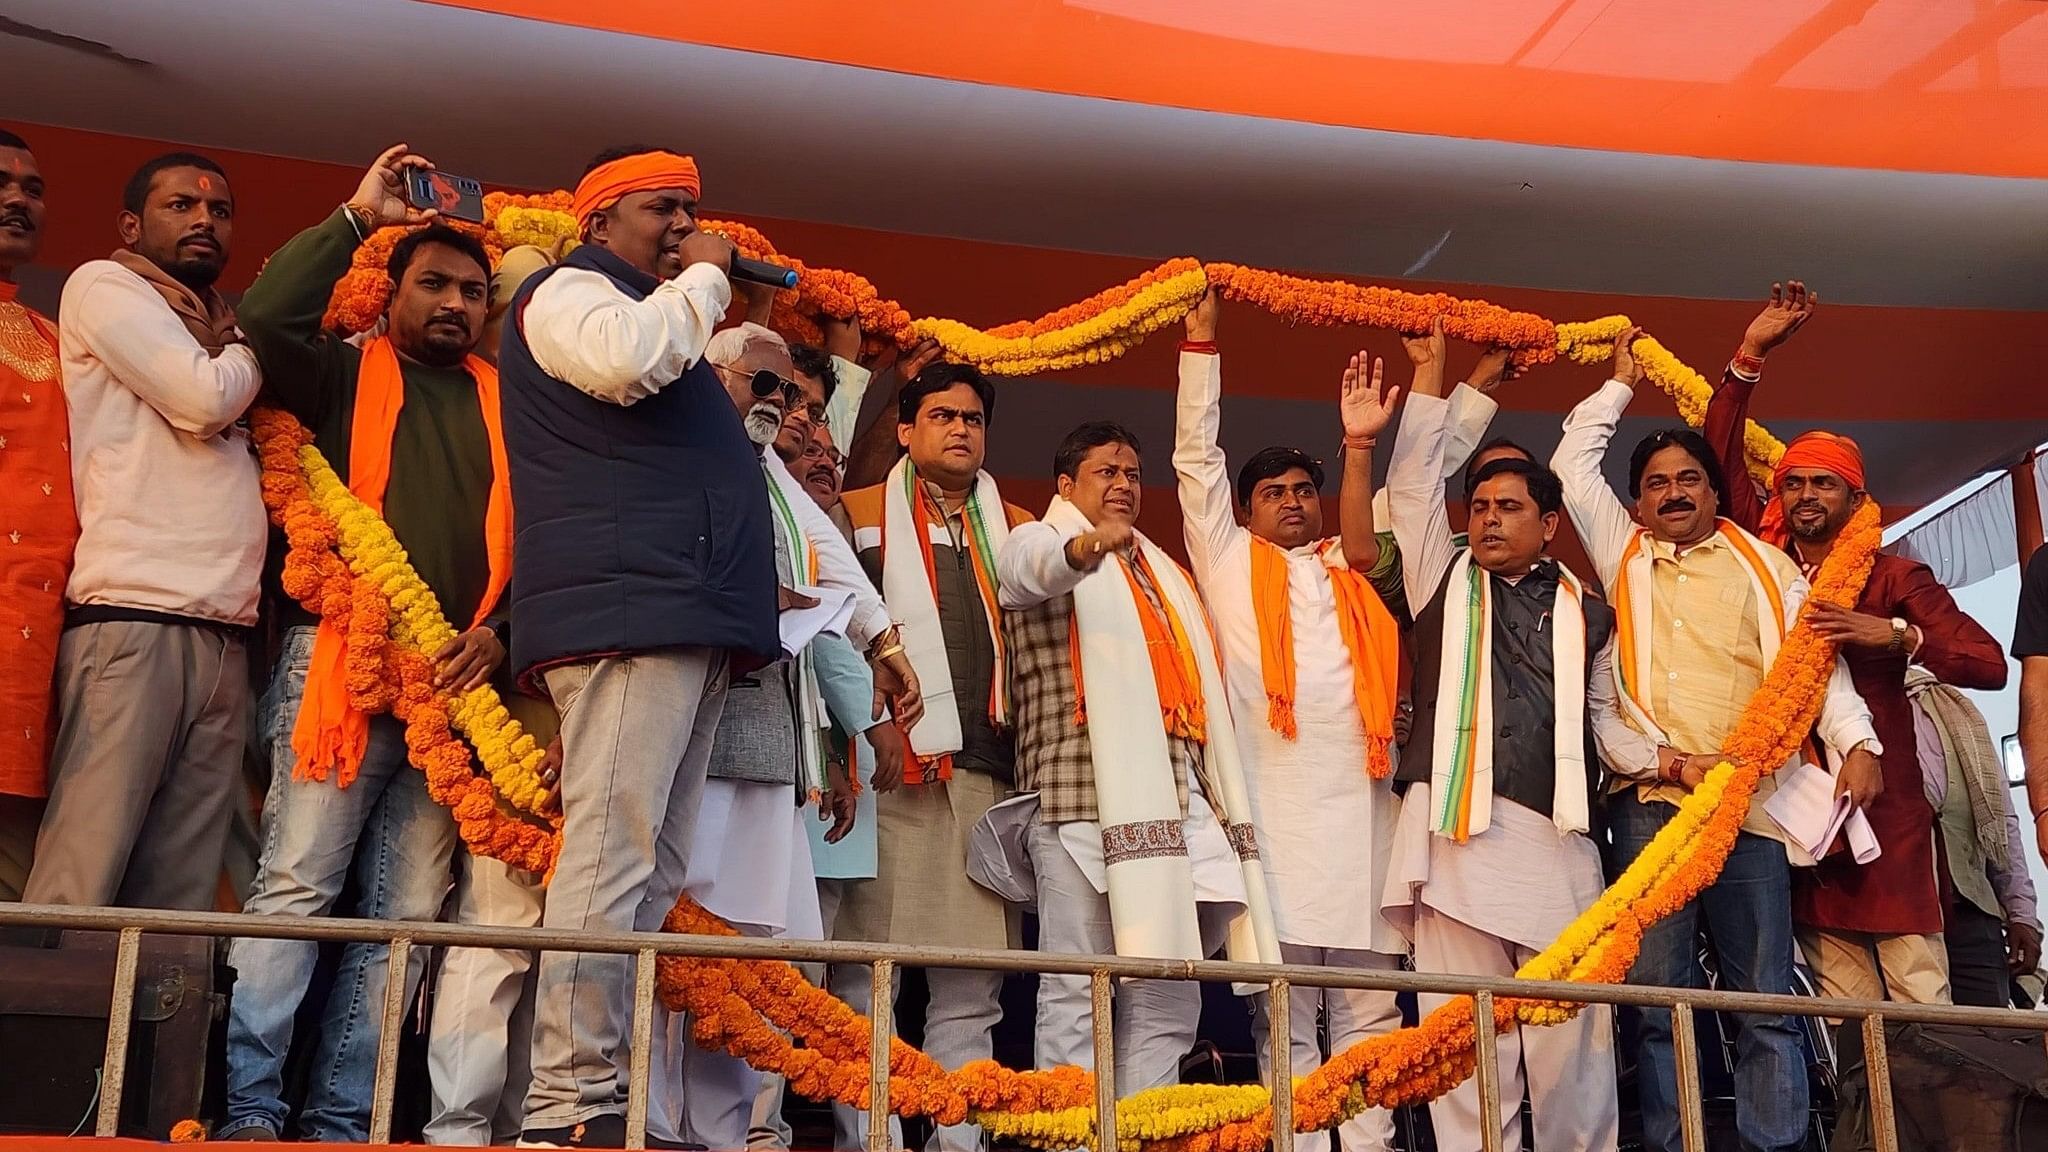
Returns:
<point x="453" y="196"/>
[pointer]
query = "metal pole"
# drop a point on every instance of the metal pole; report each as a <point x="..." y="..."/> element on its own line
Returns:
<point x="882" y="1013"/>
<point x="1280" y="1043"/>
<point x="1486" y="1047"/>
<point x="1692" y="1123"/>
<point x="641" y="1056"/>
<point x="386" y="1084"/>
<point x="1102" y="1002"/>
<point x="120" y="1016"/>
<point x="1877" y="1070"/>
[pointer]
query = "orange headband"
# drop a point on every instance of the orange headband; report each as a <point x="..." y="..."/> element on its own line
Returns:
<point x="1826" y="451"/>
<point x="607" y="183"/>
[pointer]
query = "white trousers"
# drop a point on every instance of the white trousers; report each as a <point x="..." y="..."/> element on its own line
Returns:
<point x="1567" y="1069"/>
<point x="1352" y="1015"/>
<point x="482" y="1028"/>
<point x="1154" y="1020"/>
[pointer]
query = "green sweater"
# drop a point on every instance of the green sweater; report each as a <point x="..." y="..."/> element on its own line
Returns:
<point x="440" y="452"/>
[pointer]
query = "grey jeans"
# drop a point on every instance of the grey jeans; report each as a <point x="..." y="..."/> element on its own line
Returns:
<point x="636" y="739"/>
<point x="147" y="765"/>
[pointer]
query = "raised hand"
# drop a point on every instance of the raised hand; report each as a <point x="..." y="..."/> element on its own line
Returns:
<point x="1788" y="309"/>
<point x="1626" y="369"/>
<point x="381" y="195"/>
<point x="1201" y="320"/>
<point x="1366" y="410"/>
<point x="1496" y="367"/>
<point x="1427" y="349"/>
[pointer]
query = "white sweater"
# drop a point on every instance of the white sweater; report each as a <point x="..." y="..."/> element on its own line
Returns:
<point x="170" y="508"/>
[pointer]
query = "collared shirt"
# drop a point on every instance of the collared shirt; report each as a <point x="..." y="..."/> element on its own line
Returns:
<point x="1706" y="657"/>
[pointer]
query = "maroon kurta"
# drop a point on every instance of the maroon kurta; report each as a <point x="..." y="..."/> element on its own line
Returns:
<point x="1900" y="891"/>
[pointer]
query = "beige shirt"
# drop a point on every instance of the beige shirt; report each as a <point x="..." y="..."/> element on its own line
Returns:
<point x="170" y="507"/>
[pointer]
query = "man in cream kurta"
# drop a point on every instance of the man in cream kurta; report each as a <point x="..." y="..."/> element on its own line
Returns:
<point x="1135" y="861"/>
<point x="1322" y="821"/>
<point x="1705" y="605"/>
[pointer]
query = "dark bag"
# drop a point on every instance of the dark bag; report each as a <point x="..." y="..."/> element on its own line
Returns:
<point x="1954" y="1089"/>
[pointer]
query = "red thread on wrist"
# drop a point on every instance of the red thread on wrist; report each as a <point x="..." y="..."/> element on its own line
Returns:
<point x="1206" y="347"/>
<point x="1360" y="443"/>
<point x="1747" y="363"/>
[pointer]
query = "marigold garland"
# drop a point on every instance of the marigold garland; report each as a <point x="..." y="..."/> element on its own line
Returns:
<point x="343" y="563"/>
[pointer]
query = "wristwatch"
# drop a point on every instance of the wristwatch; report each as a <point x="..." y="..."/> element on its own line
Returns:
<point x="1899" y="628"/>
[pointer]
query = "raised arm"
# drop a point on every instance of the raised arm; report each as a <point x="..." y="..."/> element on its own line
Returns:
<point x="1415" y="476"/>
<point x="586" y="333"/>
<point x="1788" y="309"/>
<point x="1207" y="510"/>
<point x="873" y="450"/>
<point x="280" y="316"/>
<point x="1604" y="525"/>
<point x="1041" y="562"/>
<point x="1366" y="410"/>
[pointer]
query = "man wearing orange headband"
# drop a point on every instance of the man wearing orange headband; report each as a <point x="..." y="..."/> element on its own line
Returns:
<point x="1872" y="931"/>
<point x="645" y="567"/>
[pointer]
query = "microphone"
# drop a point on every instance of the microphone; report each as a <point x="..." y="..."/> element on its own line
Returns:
<point x="762" y="272"/>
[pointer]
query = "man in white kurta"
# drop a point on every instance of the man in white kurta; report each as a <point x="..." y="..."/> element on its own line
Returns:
<point x="1483" y="899"/>
<point x="1323" y="822"/>
<point x="1111" y="664"/>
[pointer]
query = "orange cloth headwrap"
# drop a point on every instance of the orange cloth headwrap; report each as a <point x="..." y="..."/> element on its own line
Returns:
<point x="607" y="183"/>
<point x="1826" y="451"/>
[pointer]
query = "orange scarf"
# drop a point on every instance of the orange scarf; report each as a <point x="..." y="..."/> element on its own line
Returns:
<point x="1175" y="674"/>
<point x="1370" y="635"/>
<point x="329" y="733"/>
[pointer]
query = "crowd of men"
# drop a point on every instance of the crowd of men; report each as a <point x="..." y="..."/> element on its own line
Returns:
<point x="1365" y="745"/>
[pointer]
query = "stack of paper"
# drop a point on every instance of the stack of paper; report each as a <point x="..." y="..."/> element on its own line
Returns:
<point x="799" y="626"/>
<point x="1812" y="815"/>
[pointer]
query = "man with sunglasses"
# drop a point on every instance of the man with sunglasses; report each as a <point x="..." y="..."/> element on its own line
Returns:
<point x="751" y="859"/>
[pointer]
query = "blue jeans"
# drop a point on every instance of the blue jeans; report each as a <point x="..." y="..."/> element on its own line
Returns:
<point x="401" y="845"/>
<point x="1748" y="912"/>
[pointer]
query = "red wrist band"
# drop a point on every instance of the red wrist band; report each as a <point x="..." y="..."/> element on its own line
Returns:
<point x="1207" y="347"/>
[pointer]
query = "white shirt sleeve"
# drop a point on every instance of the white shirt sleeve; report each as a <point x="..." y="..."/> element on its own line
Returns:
<point x="1415" y="499"/>
<point x="1627" y="752"/>
<point x="124" y="321"/>
<point x="838" y="567"/>
<point x="1604" y="525"/>
<point x="1206" y="505"/>
<point x="1472" y="413"/>
<point x="1032" y="567"/>
<point x="586" y="333"/>
<point x="842" y="411"/>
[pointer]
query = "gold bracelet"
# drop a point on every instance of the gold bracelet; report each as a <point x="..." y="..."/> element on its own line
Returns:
<point x="891" y="650"/>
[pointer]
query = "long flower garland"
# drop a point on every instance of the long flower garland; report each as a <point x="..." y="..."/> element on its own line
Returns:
<point x="344" y="563"/>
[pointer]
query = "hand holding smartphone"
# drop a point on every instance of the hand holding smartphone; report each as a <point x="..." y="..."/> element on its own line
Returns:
<point x="450" y="195"/>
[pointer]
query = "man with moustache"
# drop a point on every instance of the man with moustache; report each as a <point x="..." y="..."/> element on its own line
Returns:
<point x="1132" y="831"/>
<point x="929" y="536"/>
<point x="37" y="517"/>
<point x="1872" y="931"/>
<point x="1311" y="653"/>
<point x="1496" y="850"/>
<point x="751" y="862"/>
<point x="1704" y="606"/>
<point x="410" y="421"/>
<point x="152" y="687"/>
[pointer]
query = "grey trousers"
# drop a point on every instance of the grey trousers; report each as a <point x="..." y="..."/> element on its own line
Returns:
<point x="636" y="739"/>
<point x="146" y="767"/>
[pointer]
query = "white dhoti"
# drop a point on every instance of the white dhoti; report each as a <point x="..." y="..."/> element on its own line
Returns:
<point x="751" y="867"/>
<point x="1525" y="881"/>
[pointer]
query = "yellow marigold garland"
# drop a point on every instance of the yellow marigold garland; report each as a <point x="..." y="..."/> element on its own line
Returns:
<point x="343" y="560"/>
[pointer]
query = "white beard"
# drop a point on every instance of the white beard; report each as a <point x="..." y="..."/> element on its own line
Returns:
<point x="764" y="423"/>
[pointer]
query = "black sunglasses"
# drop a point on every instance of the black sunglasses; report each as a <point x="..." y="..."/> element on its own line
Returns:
<point x="766" y="383"/>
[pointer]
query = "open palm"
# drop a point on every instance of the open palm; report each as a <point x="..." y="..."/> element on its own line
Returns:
<point x="1366" y="406"/>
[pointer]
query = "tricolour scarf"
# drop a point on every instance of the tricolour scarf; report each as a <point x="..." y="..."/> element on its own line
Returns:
<point x="1150" y="876"/>
<point x="1370" y="636"/>
<point x="209" y="318"/>
<point x="911" y="589"/>
<point x="813" y="726"/>
<point x="329" y="734"/>
<point x="1461" y="773"/>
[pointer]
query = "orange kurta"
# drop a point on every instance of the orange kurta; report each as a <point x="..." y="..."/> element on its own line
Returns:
<point x="38" y="528"/>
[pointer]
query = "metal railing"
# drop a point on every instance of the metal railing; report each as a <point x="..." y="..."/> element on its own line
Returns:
<point x="403" y="936"/>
